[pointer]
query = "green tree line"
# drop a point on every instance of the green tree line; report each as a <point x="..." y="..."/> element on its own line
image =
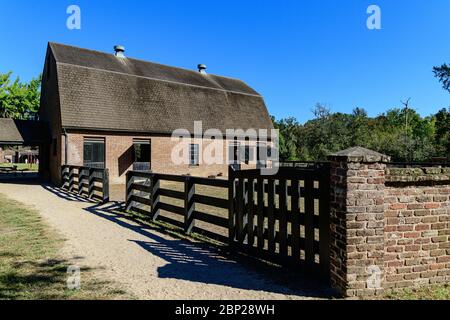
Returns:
<point x="19" y="100"/>
<point x="400" y="132"/>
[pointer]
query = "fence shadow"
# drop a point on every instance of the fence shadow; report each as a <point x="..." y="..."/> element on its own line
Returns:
<point x="63" y="194"/>
<point x="203" y="263"/>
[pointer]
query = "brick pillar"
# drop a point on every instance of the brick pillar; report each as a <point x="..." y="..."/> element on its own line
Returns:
<point x="357" y="221"/>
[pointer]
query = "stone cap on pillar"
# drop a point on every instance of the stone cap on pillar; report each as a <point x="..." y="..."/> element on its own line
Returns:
<point x="359" y="154"/>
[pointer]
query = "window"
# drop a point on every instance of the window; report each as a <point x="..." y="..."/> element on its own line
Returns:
<point x="94" y="153"/>
<point x="194" y="155"/>
<point x="142" y="155"/>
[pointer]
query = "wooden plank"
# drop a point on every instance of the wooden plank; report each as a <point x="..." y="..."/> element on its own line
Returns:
<point x="208" y="218"/>
<point x="260" y="213"/>
<point x="271" y="215"/>
<point x="309" y="221"/>
<point x="128" y="191"/>
<point x="170" y="208"/>
<point x="169" y="177"/>
<point x="140" y="200"/>
<point x="91" y="184"/>
<point x="220" y="183"/>
<point x="171" y="194"/>
<point x="105" y="186"/>
<point x="240" y="211"/>
<point x="189" y="205"/>
<point x="295" y="215"/>
<point x="211" y="201"/>
<point x="324" y="223"/>
<point x="231" y="205"/>
<point x="140" y="174"/>
<point x="140" y="187"/>
<point x="283" y="218"/>
<point x="155" y="198"/>
<point x="250" y="212"/>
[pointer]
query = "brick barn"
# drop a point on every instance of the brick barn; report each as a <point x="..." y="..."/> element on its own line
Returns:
<point x="109" y="111"/>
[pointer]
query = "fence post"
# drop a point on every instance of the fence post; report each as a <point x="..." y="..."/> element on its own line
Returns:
<point x="231" y="205"/>
<point x="128" y="191"/>
<point x="324" y="221"/>
<point x="357" y="221"/>
<point x="189" y="204"/>
<point x="155" y="185"/>
<point x="64" y="177"/>
<point x="80" y="180"/>
<point x="105" y="182"/>
<point x="71" y="182"/>
<point x="91" y="183"/>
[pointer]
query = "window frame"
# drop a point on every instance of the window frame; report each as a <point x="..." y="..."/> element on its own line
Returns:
<point x="92" y="141"/>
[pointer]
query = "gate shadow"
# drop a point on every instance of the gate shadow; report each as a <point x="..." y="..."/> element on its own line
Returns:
<point x="203" y="263"/>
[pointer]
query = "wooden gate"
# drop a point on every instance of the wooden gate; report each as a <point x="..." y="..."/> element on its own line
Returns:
<point x="283" y="218"/>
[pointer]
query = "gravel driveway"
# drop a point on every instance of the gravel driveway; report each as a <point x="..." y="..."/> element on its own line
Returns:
<point x="146" y="263"/>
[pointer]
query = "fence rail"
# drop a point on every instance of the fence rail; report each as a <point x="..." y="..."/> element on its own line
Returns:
<point x="88" y="182"/>
<point x="144" y="192"/>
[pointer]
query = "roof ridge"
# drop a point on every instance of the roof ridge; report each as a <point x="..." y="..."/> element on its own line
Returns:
<point x="155" y="63"/>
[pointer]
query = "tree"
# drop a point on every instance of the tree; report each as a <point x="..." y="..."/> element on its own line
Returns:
<point x="19" y="100"/>
<point x="443" y="74"/>
<point x="400" y="132"/>
<point x="442" y="137"/>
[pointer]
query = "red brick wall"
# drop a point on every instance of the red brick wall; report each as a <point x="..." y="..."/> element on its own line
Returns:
<point x="119" y="161"/>
<point x="390" y="227"/>
<point x="417" y="227"/>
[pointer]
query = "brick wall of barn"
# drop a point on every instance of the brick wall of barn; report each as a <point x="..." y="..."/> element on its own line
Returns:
<point x="119" y="156"/>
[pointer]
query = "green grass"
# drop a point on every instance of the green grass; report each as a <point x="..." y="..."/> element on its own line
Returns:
<point x="437" y="292"/>
<point x="30" y="268"/>
<point x="22" y="166"/>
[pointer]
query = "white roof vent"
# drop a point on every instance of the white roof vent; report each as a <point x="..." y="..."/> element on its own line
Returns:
<point x="202" y="68"/>
<point x="120" y="51"/>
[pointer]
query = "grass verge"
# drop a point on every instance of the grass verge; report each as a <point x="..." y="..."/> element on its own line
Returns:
<point x="437" y="292"/>
<point x="30" y="268"/>
<point x="22" y="166"/>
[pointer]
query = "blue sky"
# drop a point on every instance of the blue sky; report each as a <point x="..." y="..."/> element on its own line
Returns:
<point x="295" y="53"/>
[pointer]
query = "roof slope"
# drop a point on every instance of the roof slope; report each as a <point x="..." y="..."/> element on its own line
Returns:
<point x="101" y="91"/>
<point x="18" y="132"/>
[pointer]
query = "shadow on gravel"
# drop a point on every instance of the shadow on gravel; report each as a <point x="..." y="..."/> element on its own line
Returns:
<point x="205" y="263"/>
<point x="199" y="262"/>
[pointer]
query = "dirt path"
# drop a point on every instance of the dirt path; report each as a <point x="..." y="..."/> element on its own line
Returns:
<point x="147" y="263"/>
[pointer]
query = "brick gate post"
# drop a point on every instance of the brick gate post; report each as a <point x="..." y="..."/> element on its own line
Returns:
<point x="357" y="221"/>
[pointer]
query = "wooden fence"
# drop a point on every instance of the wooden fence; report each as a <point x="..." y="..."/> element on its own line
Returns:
<point x="144" y="192"/>
<point x="87" y="182"/>
<point x="282" y="218"/>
